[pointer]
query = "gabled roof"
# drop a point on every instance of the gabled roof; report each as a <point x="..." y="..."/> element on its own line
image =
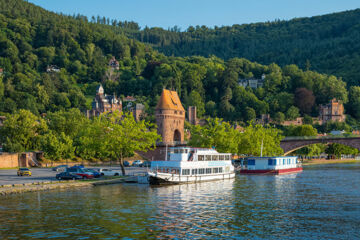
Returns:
<point x="169" y="100"/>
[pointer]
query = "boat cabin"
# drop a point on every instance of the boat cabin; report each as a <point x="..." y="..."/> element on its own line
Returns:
<point x="196" y="154"/>
<point x="271" y="163"/>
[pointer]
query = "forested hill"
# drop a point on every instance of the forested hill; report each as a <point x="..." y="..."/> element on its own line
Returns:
<point x="31" y="39"/>
<point x="328" y="44"/>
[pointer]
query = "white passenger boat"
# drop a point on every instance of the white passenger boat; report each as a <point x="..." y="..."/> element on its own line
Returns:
<point x="187" y="164"/>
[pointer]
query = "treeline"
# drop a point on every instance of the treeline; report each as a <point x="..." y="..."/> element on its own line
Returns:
<point x="32" y="39"/>
<point x="70" y="135"/>
<point x="328" y="44"/>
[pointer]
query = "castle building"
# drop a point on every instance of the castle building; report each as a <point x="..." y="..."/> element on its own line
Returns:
<point x="170" y="117"/>
<point x="333" y="111"/>
<point x="252" y="82"/>
<point x="104" y="103"/>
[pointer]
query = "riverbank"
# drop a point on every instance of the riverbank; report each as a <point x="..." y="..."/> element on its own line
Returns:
<point x="328" y="161"/>
<point x="42" y="186"/>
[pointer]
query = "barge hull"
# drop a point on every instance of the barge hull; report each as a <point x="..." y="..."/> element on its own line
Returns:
<point x="272" y="171"/>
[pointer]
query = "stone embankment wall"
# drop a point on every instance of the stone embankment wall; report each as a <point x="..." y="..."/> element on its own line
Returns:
<point x="9" y="160"/>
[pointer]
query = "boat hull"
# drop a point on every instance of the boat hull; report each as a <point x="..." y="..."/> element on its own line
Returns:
<point x="162" y="179"/>
<point x="271" y="171"/>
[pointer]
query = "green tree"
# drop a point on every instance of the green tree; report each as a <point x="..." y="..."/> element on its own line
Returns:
<point x="211" y="109"/>
<point x="308" y="120"/>
<point x="250" y="113"/>
<point x="116" y="136"/>
<point x="292" y="113"/>
<point x="256" y="137"/>
<point x="194" y="99"/>
<point x="354" y="101"/>
<point x="338" y="149"/>
<point x="279" y="117"/>
<point x="22" y="131"/>
<point x="303" y="130"/>
<point x="216" y="133"/>
<point x="56" y="146"/>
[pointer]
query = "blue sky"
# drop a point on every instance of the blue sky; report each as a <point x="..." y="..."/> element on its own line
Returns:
<point x="183" y="13"/>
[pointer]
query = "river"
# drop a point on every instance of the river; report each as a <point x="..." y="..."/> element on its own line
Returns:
<point x="322" y="202"/>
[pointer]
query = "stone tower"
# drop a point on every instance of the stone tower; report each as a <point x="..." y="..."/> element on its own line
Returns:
<point x="170" y="117"/>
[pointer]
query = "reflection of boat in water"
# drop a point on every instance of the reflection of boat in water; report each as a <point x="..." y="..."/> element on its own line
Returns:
<point x="186" y="164"/>
<point x="271" y="165"/>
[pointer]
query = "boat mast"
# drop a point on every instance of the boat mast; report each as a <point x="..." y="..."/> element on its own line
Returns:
<point x="166" y="152"/>
<point x="262" y="146"/>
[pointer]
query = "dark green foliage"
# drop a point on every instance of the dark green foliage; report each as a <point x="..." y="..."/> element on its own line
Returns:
<point x="31" y="39"/>
<point x="328" y="43"/>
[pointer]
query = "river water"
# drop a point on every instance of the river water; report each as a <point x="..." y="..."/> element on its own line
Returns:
<point x="322" y="202"/>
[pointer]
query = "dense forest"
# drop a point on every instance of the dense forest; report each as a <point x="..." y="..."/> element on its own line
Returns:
<point x="327" y="44"/>
<point x="32" y="38"/>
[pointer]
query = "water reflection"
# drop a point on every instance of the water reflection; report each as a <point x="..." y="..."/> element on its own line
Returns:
<point x="321" y="202"/>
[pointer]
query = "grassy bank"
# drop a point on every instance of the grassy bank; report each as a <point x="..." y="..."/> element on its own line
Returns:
<point x="41" y="186"/>
<point x="329" y="161"/>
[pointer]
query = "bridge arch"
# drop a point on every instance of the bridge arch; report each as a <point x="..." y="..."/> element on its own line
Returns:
<point x="290" y="145"/>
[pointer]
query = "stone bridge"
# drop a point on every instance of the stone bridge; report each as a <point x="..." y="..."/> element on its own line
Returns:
<point x="290" y="144"/>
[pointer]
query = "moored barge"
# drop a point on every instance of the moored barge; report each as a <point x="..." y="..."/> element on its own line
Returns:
<point x="271" y="165"/>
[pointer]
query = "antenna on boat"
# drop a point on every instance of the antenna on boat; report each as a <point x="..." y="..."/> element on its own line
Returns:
<point x="166" y="152"/>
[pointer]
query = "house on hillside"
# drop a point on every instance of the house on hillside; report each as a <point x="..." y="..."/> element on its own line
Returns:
<point x="332" y="111"/>
<point x="114" y="64"/>
<point x="252" y="82"/>
<point x="104" y="103"/>
<point x="52" y="69"/>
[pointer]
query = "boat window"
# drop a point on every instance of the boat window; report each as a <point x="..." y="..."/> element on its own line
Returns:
<point x="208" y="170"/>
<point x="215" y="170"/>
<point x="284" y="161"/>
<point x="201" y="158"/>
<point x="208" y="157"/>
<point x="176" y="150"/>
<point x="193" y="171"/>
<point x="272" y="162"/>
<point x="220" y="170"/>
<point x="227" y="157"/>
<point x="201" y="170"/>
<point x="186" y="172"/>
<point x="251" y="162"/>
<point x="173" y="171"/>
<point x="215" y="157"/>
<point x="221" y="157"/>
<point x="181" y="150"/>
<point x="227" y="169"/>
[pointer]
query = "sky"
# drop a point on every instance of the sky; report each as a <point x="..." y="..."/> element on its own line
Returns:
<point x="185" y="13"/>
